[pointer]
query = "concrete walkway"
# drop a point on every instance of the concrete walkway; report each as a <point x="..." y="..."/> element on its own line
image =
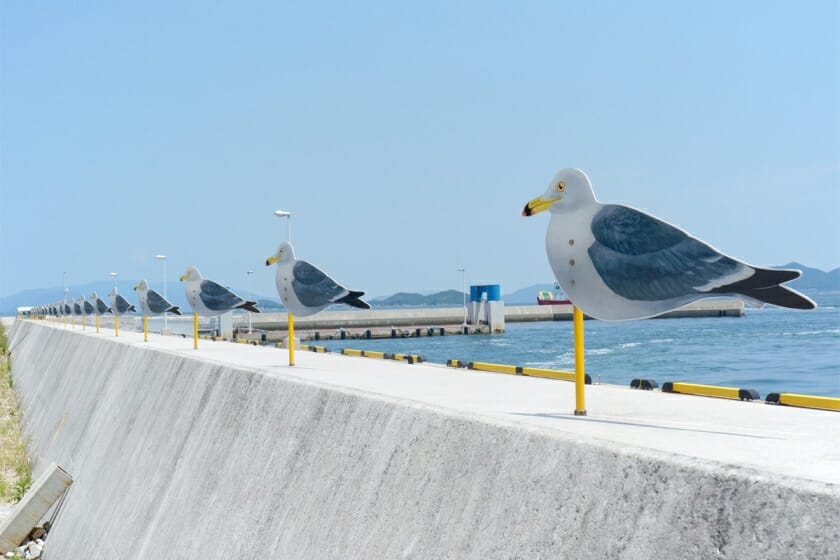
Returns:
<point x="801" y="444"/>
<point x="226" y="451"/>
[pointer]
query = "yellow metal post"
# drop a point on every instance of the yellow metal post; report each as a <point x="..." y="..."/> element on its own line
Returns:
<point x="195" y="331"/>
<point x="97" y="324"/>
<point x="580" y="375"/>
<point x="116" y="325"/>
<point x="145" y="329"/>
<point x="291" y="339"/>
<point x="83" y="322"/>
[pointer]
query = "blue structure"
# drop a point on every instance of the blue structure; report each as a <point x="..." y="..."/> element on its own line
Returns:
<point x="487" y="308"/>
<point x="489" y="292"/>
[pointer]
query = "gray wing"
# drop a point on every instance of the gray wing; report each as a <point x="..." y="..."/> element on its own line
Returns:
<point x="122" y="304"/>
<point x="156" y="302"/>
<point x="88" y="307"/>
<point x="643" y="258"/>
<point x="101" y="307"/>
<point x="312" y="287"/>
<point x="218" y="298"/>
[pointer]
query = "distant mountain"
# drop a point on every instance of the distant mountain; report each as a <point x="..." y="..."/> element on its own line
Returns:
<point x="813" y="279"/>
<point x="528" y="296"/>
<point x="404" y="299"/>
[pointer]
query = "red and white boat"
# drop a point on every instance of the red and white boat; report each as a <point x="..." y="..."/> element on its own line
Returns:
<point x="546" y="297"/>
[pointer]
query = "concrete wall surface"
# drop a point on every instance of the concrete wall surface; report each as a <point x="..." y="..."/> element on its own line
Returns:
<point x="179" y="456"/>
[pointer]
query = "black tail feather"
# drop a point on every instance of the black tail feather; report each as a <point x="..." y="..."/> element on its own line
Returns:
<point x="176" y="310"/>
<point x="781" y="296"/>
<point x="249" y="306"/>
<point x="132" y="308"/>
<point x="354" y="299"/>
<point x="763" y="278"/>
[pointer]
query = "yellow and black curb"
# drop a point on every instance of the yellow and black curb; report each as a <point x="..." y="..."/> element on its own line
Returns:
<point x="312" y="348"/>
<point x="804" y="401"/>
<point x="710" y="391"/>
<point x="409" y="358"/>
<point x="518" y="370"/>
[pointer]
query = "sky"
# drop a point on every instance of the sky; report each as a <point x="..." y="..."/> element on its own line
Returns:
<point x="405" y="139"/>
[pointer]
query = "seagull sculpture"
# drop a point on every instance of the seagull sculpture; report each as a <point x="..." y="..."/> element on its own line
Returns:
<point x="119" y="305"/>
<point x="209" y="298"/>
<point x="616" y="262"/>
<point x="151" y="302"/>
<point x="304" y="288"/>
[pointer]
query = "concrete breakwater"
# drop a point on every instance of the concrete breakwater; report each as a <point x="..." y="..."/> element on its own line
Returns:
<point x="438" y="316"/>
<point x="226" y="452"/>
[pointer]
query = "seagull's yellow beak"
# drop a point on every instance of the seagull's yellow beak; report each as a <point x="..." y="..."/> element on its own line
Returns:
<point x="182" y="278"/>
<point x="137" y="287"/>
<point x="538" y="204"/>
<point x="271" y="260"/>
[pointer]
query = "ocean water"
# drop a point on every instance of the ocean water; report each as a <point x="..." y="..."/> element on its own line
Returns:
<point x="769" y="350"/>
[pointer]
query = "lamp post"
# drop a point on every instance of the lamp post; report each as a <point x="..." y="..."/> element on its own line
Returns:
<point x="116" y="317"/>
<point x="288" y="215"/>
<point x="249" y="273"/>
<point x="65" y="301"/>
<point x="163" y="258"/>
<point x="463" y="272"/>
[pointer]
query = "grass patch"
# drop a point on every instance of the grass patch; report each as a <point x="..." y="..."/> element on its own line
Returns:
<point x="15" y="470"/>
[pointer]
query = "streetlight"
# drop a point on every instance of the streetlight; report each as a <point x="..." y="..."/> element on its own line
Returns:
<point x="65" y="300"/>
<point x="249" y="273"/>
<point x="286" y="214"/>
<point x="163" y="258"/>
<point x="464" y="290"/>
<point x="114" y="275"/>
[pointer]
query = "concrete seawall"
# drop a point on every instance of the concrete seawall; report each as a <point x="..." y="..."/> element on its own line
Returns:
<point x="225" y="451"/>
<point x="399" y="317"/>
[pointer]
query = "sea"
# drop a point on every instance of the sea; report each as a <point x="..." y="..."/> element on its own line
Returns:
<point x="771" y="350"/>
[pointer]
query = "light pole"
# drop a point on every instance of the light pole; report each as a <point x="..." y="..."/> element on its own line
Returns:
<point x="288" y="215"/>
<point x="249" y="273"/>
<point x="65" y="300"/>
<point x="163" y="258"/>
<point x="464" y="290"/>
<point x="114" y="275"/>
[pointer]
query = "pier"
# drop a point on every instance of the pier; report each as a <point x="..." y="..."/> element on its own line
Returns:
<point x="228" y="451"/>
<point x="438" y="321"/>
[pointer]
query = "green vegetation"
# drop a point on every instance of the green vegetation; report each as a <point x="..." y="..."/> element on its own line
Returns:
<point x="15" y="471"/>
<point x="447" y="297"/>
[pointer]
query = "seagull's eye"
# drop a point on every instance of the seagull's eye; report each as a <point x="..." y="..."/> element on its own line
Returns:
<point x="561" y="186"/>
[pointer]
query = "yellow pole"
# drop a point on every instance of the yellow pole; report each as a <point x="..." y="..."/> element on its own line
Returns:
<point x="84" y="317"/>
<point x="291" y="339"/>
<point x="580" y="375"/>
<point x="116" y="325"/>
<point x="97" y="324"/>
<point x="145" y="329"/>
<point x="195" y="331"/>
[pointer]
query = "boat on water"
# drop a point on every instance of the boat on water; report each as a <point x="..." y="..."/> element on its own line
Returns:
<point x="547" y="297"/>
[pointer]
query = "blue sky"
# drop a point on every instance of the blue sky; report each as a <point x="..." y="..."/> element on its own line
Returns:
<point x="405" y="139"/>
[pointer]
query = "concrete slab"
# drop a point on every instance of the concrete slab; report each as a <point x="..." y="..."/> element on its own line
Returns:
<point x="798" y="443"/>
<point x="173" y="449"/>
